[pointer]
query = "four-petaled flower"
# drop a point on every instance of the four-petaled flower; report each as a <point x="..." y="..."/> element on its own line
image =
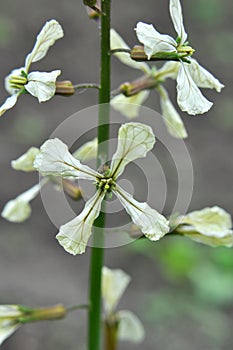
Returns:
<point x="134" y="141"/>
<point x="38" y="84"/>
<point x="191" y="74"/>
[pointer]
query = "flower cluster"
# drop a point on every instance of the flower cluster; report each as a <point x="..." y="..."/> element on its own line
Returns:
<point x="126" y="324"/>
<point x="134" y="141"/>
<point x="39" y="84"/>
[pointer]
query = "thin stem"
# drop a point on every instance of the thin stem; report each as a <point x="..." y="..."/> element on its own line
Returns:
<point x="120" y="50"/>
<point x="86" y="86"/>
<point x="97" y="253"/>
<point x="77" y="307"/>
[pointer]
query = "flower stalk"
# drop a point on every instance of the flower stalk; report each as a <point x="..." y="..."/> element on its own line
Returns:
<point x="97" y="254"/>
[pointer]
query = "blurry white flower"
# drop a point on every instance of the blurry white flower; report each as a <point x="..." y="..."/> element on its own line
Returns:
<point x="191" y="75"/>
<point x="130" y="105"/>
<point x="19" y="209"/>
<point x="128" y="325"/>
<point x="88" y="151"/>
<point x="211" y="226"/>
<point x="38" y="84"/>
<point x="134" y="141"/>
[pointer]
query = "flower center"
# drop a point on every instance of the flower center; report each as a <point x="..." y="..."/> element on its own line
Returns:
<point x="18" y="81"/>
<point x="185" y="50"/>
<point x="106" y="184"/>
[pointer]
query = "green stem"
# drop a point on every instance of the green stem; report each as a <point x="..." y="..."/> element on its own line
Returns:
<point x="97" y="253"/>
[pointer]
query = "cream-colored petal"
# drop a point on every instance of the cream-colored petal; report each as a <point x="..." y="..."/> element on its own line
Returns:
<point x="8" y="104"/>
<point x="25" y="161"/>
<point x="50" y="32"/>
<point x="88" y="151"/>
<point x="130" y="328"/>
<point x="7" y="328"/>
<point x="152" y="224"/>
<point x="74" y="235"/>
<point x="177" y="19"/>
<point x="129" y="106"/>
<point x="189" y="97"/>
<point x="172" y="119"/>
<point x="118" y="43"/>
<point x="55" y="159"/>
<point x="8" y="323"/>
<point x="19" y="209"/>
<point x="153" y="41"/>
<point x="202" y="77"/>
<point x="169" y="70"/>
<point x="134" y="141"/>
<point x="114" y="284"/>
<point x="42" y="84"/>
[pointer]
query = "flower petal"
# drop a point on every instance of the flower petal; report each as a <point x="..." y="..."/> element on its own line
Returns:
<point x="153" y="41"/>
<point x="55" y="159"/>
<point x="26" y="161"/>
<point x="74" y="235"/>
<point x="169" y="70"/>
<point x="130" y="327"/>
<point x="152" y="224"/>
<point x="177" y="19"/>
<point x="134" y="141"/>
<point x="8" y="324"/>
<point x="114" y="284"/>
<point x="50" y="32"/>
<point x="7" y="328"/>
<point x="172" y="119"/>
<point x="203" y="78"/>
<point x="8" y="104"/>
<point x="88" y="151"/>
<point x="19" y="209"/>
<point x="189" y="97"/>
<point x="118" y="43"/>
<point x="129" y="106"/>
<point x="42" y="84"/>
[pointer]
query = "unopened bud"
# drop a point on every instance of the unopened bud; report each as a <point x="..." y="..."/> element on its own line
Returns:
<point x="72" y="189"/>
<point x="41" y="314"/>
<point x="65" y="88"/>
<point x="138" y="54"/>
<point x="93" y="8"/>
<point x="144" y="83"/>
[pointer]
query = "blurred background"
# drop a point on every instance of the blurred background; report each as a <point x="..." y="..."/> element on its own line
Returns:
<point x="182" y="291"/>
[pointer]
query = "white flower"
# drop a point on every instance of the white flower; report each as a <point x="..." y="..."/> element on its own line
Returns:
<point x="8" y="320"/>
<point x="191" y="75"/>
<point x="114" y="284"/>
<point x="134" y="141"/>
<point x="212" y="226"/>
<point x="129" y="105"/>
<point x="38" y="84"/>
<point x="19" y="209"/>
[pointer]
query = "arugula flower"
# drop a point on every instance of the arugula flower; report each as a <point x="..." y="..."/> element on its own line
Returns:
<point x="134" y="141"/>
<point x="39" y="84"/>
<point x="211" y="226"/>
<point x="191" y="74"/>
<point x="134" y="94"/>
<point x="126" y="324"/>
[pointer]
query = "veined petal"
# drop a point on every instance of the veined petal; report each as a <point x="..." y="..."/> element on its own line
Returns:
<point x="50" y="32"/>
<point x="118" y="43"/>
<point x="9" y="103"/>
<point x="177" y="19"/>
<point x="26" y="161"/>
<point x="19" y="209"/>
<point x="153" y="41"/>
<point x="152" y="224"/>
<point x="211" y="226"/>
<point x="172" y="119"/>
<point x="202" y="77"/>
<point x="114" y="284"/>
<point x="55" y="159"/>
<point x="88" y="151"/>
<point x="74" y="235"/>
<point x="129" y="106"/>
<point x="42" y="84"/>
<point x="134" y="141"/>
<point x="130" y="327"/>
<point x="189" y="97"/>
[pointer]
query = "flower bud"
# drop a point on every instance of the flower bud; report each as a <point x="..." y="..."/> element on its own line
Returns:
<point x="64" y="88"/>
<point x="143" y="83"/>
